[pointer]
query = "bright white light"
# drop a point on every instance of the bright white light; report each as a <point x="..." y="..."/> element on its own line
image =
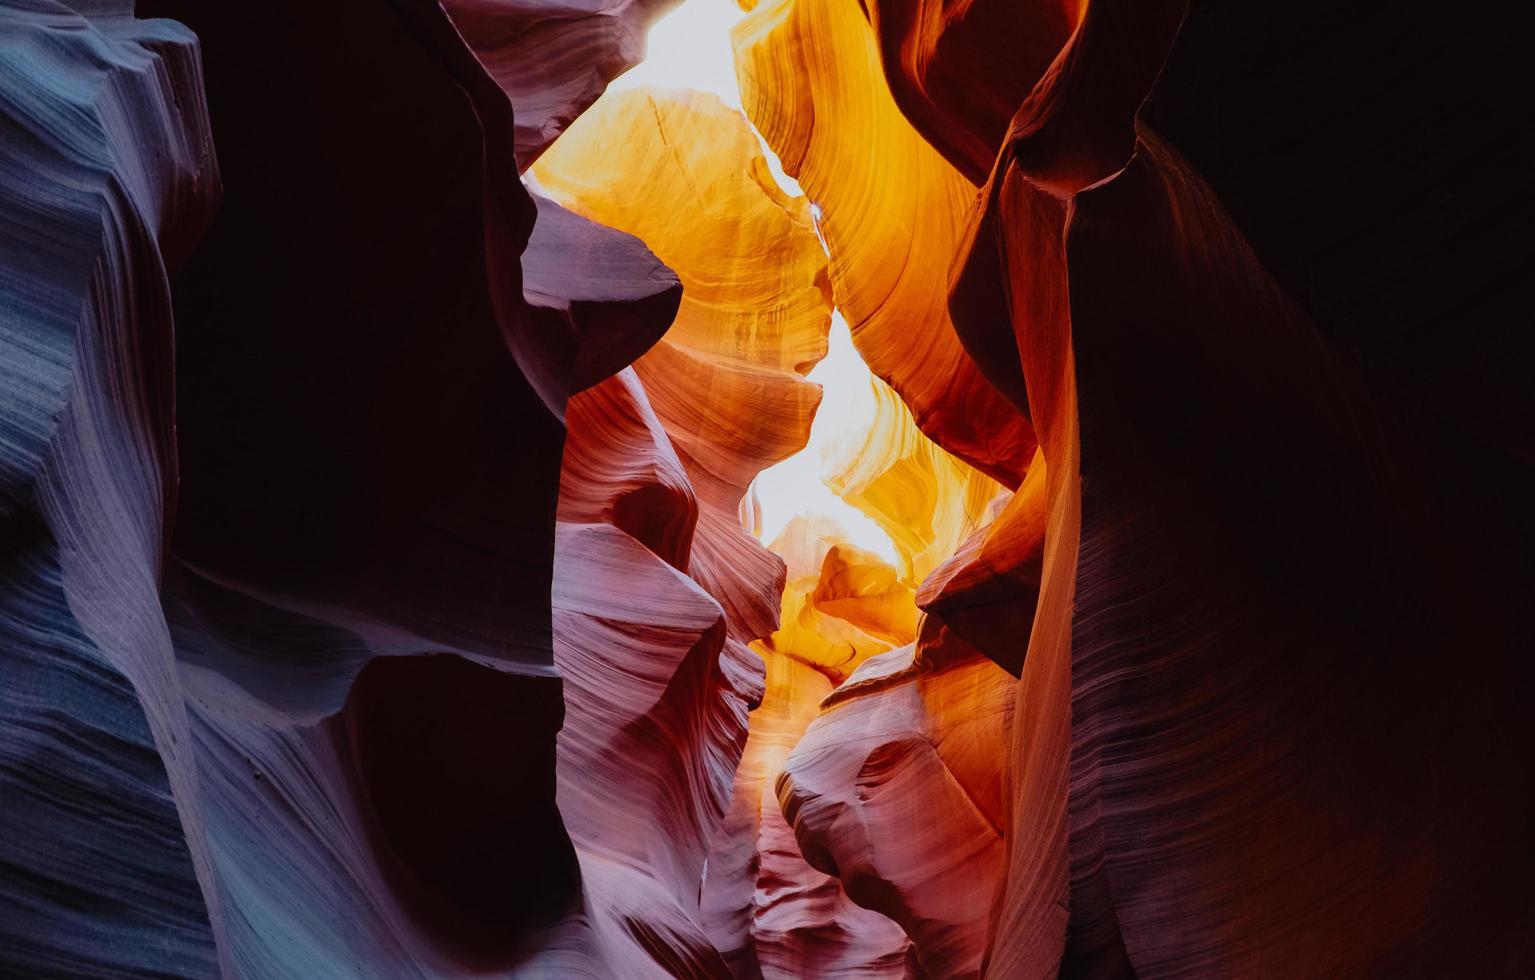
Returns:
<point x="690" y="48"/>
<point x="794" y="486"/>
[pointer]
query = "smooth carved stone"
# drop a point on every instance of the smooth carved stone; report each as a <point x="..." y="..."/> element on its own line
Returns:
<point x="684" y="173"/>
<point x="601" y="286"/>
<point x="436" y="519"/>
<point x="896" y="788"/>
<point x="955" y="80"/>
<point x="107" y="182"/>
<point x="858" y="586"/>
<point x="657" y="699"/>
<point x="866" y="608"/>
<point x="1247" y="635"/>
<point x="666" y="452"/>
<point x="769" y="912"/>
<point x="892" y="212"/>
<point x="927" y="501"/>
<point x="553" y="58"/>
<point x="987" y="592"/>
<point x="656" y="706"/>
<point x="775" y="916"/>
<point x="1011" y="295"/>
<point x="620" y="469"/>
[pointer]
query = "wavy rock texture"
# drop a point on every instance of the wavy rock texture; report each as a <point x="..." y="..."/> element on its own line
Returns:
<point x="293" y="804"/>
<point x="654" y="725"/>
<point x="553" y="58"/>
<point x="328" y="653"/>
<point x="725" y="387"/>
<point x="892" y="212"/>
<point x="771" y="913"/>
<point x="1248" y="633"/>
<point x="107" y="180"/>
<point x="841" y="604"/>
<point x="957" y="84"/>
<point x="656" y="697"/>
<point x="896" y="788"/>
<point x="683" y="172"/>
<point x="927" y="501"/>
<point x="987" y="592"/>
<point x="604" y="289"/>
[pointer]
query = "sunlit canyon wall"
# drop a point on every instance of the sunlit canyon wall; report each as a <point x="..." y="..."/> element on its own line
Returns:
<point x="394" y="581"/>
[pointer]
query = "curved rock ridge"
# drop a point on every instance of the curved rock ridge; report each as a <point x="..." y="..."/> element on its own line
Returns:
<point x="657" y="697"/>
<point x="107" y="181"/>
<point x="655" y="722"/>
<point x="683" y="172"/>
<point x="554" y="58"/>
<point x="952" y="78"/>
<point x="859" y="587"/>
<point x="620" y="469"/>
<point x="986" y="593"/>
<point x="927" y="501"/>
<point x="896" y="788"/>
<point x="603" y="288"/>
<point x="369" y="445"/>
<point x="396" y="352"/>
<point x="892" y="212"/>
<point x="401" y="488"/>
<point x="1228" y="621"/>
<point x="841" y="605"/>
<point x="768" y="911"/>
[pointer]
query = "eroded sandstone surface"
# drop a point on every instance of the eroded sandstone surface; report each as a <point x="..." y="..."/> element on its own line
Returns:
<point x="385" y="398"/>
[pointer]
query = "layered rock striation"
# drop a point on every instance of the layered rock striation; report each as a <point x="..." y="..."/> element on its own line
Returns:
<point x="380" y="588"/>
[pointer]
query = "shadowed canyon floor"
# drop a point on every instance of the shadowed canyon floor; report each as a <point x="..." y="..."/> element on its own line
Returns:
<point x="890" y="489"/>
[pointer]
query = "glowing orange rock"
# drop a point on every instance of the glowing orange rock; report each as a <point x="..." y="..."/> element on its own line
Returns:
<point x="893" y="214"/>
<point x="724" y="387"/>
<point x="767" y="909"/>
<point x="926" y="500"/>
<point x="841" y="605"/>
<point x="684" y="173"/>
<point x="987" y="592"/>
<point x="861" y="588"/>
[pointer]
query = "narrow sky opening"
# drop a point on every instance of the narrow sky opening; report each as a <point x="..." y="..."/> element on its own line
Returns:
<point x="690" y="48"/>
<point x="795" y="485"/>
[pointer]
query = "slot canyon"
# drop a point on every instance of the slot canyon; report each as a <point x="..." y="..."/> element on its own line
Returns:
<point x="764" y="489"/>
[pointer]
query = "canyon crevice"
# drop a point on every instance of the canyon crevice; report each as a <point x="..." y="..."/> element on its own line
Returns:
<point x="976" y="490"/>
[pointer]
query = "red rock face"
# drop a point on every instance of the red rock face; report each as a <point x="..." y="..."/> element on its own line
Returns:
<point x="896" y="789"/>
<point x="380" y="584"/>
<point x="1234" y="499"/>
